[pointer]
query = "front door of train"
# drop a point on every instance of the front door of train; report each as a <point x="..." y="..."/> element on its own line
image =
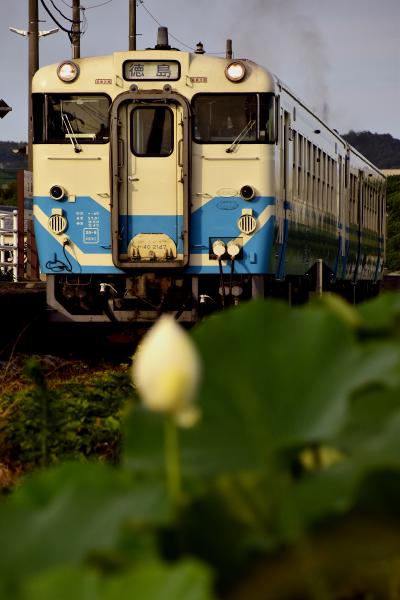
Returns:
<point x="150" y="149"/>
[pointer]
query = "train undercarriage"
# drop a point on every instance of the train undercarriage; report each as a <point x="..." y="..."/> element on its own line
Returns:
<point x="142" y="298"/>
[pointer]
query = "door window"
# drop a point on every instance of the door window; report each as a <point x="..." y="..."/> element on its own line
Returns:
<point x="152" y="131"/>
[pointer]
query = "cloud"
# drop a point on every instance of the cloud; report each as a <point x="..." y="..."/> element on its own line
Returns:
<point x="281" y="36"/>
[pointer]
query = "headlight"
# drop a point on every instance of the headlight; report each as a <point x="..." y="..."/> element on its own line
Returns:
<point x="219" y="248"/>
<point x="233" y="249"/>
<point x="68" y="71"/>
<point x="235" y="71"/>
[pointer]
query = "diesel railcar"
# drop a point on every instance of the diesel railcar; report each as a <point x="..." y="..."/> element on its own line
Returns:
<point x="168" y="181"/>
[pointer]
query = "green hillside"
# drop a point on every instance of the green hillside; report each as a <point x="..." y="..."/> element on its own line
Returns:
<point x="381" y="149"/>
<point x="393" y="224"/>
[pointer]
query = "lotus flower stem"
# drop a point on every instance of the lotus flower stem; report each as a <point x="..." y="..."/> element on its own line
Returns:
<point x="172" y="461"/>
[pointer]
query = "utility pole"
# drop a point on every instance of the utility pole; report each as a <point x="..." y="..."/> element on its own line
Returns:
<point x="76" y="29"/>
<point x="33" y="49"/>
<point x="33" y="34"/>
<point x="132" y="24"/>
<point x="33" y="37"/>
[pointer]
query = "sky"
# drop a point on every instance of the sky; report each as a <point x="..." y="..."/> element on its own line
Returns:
<point x="342" y="57"/>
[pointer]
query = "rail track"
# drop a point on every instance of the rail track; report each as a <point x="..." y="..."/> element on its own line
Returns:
<point x="26" y="327"/>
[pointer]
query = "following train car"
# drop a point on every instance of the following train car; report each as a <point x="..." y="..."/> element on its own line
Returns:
<point x="170" y="181"/>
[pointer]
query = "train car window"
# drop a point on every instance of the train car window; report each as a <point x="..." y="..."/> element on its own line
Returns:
<point x="152" y="131"/>
<point x="224" y="118"/>
<point x="317" y="166"/>
<point x="314" y="198"/>
<point x="295" y="162"/>
<point x="334" y="183"/>
<point x="328" y="185"/>
<point x="301" y="169"/>
<point x="62" y="118"/>
<point x="357" y="199"/>
<point x="321" y="179"/>
<point x="309" y="167"/>
<point x="351" y="197"/>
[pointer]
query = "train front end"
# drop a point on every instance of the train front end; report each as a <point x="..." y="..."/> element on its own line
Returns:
<point x="154" y="184"/>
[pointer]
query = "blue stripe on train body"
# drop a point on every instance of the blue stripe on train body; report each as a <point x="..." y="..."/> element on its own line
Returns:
<point x="218" y="219"/>
<point x="83" y="216"/>
<point x="52" y="257"/>
<point x="90" y="230"/>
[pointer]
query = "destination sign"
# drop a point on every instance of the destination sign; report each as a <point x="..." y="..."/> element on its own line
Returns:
<point x="151" y="70"/>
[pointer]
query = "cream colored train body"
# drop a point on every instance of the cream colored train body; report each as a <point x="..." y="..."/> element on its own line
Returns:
<point x="182" y="182"/>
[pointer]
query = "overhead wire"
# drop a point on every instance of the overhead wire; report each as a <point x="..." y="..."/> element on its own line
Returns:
<point x="46" y="8"/>
<point x="98" y="5"/>
<point x="61" y="13"/>
<point x="88" y="7"/>
<point x="158" y="23"/>
<point x="141" y="2"/>
<point x="83" y="22"/>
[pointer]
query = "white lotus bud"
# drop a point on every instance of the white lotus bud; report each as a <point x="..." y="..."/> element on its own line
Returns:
<point x="166" y="369"/>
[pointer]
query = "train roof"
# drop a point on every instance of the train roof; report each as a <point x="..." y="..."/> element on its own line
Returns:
<point x="332" y="131"/>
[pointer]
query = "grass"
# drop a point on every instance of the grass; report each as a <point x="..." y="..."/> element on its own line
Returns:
<point x="72" y="405"/>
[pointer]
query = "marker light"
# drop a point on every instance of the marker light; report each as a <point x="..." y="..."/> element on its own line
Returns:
<point x="68" y="71"/>
<point x="219" y="248"/>
<point x="57" y="192"/>
<point x="247" y="192"/>
<point x="235" y="71"/>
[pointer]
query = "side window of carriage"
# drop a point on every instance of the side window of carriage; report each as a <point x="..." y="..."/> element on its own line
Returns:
<point x="152" y="131"/>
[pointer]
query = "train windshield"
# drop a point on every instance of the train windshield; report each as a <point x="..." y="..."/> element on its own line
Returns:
<point x="226" y="118"/>
<point x="62" y="118"/>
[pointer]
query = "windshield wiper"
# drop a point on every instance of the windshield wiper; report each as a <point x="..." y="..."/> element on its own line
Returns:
<point x="71" y="133"/>
<point x="246" y="129"/>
